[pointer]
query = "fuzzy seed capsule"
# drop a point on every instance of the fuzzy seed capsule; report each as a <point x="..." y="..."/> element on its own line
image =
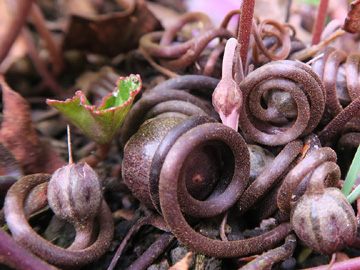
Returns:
<point x="324" y="221"/>
<point x="74" y="193"/>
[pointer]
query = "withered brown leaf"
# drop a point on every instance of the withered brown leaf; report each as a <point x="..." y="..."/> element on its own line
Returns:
<point x="110" y="34"/>
<point x="18" y="134"/>
<point x="352" y="21"/>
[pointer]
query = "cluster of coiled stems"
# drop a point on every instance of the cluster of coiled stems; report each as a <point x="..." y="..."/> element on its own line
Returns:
<point x="185" y="166"/>
<point x="177" y="48"/>
<point x="284" y="103"/>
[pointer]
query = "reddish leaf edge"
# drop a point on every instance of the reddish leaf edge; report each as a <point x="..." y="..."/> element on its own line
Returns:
<point x="95" y="108"/>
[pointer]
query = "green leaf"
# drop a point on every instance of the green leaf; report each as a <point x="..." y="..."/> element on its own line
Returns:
<point x="100" y="123"/>
<point x="351" y="178"/>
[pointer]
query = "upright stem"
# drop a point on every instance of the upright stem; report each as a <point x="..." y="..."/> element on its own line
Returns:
<point x="20" y="11"/>
<point x="246" y="18"/>
<point x="319" y="22"/>
<point x="100" y="154"/>
<point x="54" y="49"/>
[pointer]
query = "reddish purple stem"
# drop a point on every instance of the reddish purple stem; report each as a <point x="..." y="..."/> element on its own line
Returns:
<point x="319" y="22"/>
<point x="16" y="256"/>
<point x="244" y="32"/>
<point x="20" y="10"/>
<point x="351" y="264"/>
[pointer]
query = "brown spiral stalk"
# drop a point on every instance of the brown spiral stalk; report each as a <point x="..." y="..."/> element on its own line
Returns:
<point x="293" y="77"/>
<point x="167" y="100"/>
<point x="300" y="171"/>
<point x="173" y="202"/>
<point x="174" y="57"/>
<point x="26" y="237"/>
<point x="269" y="177"/>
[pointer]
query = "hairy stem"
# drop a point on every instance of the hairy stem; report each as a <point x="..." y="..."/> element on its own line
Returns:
<point x="19" y="258"/>
<point x="246" y="19"/>
<point x="319" y="22"/>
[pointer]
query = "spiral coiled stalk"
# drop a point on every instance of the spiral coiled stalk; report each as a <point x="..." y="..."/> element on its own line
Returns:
<point x="295" y="78"/>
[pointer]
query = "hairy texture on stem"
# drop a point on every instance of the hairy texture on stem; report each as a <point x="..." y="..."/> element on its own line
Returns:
<point x="17" y="257"/>
<point x="160" y="155"/>
<point x="305" y="88"/>
<point x="282" y="40"/>
<point x="234" y="184"/>
<point x="299" y="172"/>
<point x="29" y="239"/>
<point x="164" y="99"/>
<point x="269" y="176"/>
<point x="210" y="169"/>
<point x="171" y="193"/>
<point x="245" y="24"/>
<point x="332" y="129"/>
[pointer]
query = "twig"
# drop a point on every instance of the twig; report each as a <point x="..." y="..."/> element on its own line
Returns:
<point x="48" y="79"/>
<point x="151" y="220"/>
<point x="156" y="249"/>
<point x="15" y="256"/>
<point x="10" y="33"/>
<point x="55" y="52"/>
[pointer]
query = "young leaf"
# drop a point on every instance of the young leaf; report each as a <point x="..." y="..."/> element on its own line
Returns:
<point x="351" y="178"/>
<point x="100" y="123"/>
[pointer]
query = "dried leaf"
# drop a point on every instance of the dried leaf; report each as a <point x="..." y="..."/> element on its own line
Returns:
<point x="19" y="136"/>
<point x="167" y="16"/>
<point x="352" y="21"/>
<point x="8" y="163"/>
<point x="184" y="263"/>
<point x="110" y="34"/>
